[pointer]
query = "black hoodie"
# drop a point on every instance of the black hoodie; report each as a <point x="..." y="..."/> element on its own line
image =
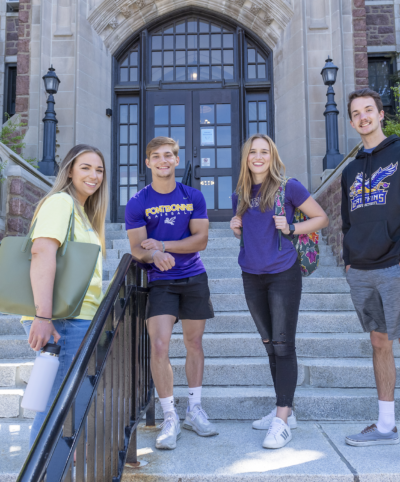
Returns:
<point x="371" y="220"/>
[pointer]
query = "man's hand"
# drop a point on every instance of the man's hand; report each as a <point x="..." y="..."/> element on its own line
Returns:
<point x="236" y="224"/>
<point x="163" y="261"/>
<point x="282" y="224"/>
<point x="151" y="244"/>
<point x="348" y="267"/>
<point x="40" y="333"/>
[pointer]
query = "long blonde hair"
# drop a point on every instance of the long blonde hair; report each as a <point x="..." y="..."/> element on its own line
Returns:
<point x="271" y="182"/>
<point x="95" y="206"/>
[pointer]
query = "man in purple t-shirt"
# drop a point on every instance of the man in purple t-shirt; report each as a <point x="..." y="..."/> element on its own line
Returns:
<point x="167" y="226"/>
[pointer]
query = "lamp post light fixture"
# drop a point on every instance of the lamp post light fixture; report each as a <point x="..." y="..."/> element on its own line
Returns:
<point x="48" y="164"/>
<point x="332" y="157"/>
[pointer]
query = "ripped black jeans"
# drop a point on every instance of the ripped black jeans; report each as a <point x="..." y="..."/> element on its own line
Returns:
<point x="274" y="301"/>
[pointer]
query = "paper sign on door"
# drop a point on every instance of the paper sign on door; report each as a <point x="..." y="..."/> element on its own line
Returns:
<point x="207" y="137"/>
<point x="206" y="162"/>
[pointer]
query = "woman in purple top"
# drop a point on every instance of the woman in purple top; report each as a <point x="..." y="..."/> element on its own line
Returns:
<point x="271" y="277"/>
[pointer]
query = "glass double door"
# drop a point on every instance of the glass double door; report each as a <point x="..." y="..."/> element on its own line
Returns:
<point x="206" y="126"/>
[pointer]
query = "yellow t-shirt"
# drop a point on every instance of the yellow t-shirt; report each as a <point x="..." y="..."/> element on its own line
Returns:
<point x="52" y="222"/>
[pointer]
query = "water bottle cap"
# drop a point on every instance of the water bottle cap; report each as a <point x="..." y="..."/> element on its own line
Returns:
<point x="52" y="348"/>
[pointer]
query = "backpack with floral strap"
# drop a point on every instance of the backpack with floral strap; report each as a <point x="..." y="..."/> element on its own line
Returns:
<point x="306" y="244"/>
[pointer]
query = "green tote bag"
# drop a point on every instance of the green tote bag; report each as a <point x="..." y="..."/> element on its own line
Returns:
<point x="76" y="263"/>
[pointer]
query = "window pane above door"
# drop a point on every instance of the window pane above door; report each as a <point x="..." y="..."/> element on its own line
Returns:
<point x="195" y="44"/>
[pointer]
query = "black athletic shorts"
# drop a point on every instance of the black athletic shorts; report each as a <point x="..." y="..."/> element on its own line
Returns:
<point x="186" y="299"/>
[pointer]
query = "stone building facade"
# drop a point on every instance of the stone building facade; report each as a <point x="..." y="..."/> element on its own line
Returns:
<point x="86" y="42"/>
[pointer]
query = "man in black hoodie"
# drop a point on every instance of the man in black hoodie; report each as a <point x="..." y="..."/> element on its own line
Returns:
<point x="371" y="251"/>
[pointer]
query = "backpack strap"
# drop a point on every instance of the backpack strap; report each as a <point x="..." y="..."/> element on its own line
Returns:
<point x="241" y="229"/>
<point x="280" y="205"/>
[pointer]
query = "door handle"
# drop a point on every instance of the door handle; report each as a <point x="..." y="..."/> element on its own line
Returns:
<point x="196" y="175"/>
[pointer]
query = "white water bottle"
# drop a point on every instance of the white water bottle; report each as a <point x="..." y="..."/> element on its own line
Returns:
<point x="42" y="378"/>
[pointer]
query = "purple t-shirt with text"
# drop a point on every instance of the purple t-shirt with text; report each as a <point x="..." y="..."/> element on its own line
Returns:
<point x="167" y="217"/>
<point x="260" y="254"/>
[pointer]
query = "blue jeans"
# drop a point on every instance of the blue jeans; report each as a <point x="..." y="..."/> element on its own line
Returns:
<point x="72" y="333"/>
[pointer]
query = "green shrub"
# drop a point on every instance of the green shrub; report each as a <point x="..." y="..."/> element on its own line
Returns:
<point x="11" y="136"/>
<point x="392" y="122"/>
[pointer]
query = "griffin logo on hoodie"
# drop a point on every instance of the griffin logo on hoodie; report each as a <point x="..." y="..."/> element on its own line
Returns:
<point x="375" y="194"/>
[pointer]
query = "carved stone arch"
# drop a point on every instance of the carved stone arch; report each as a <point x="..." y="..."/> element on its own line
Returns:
<point x="116" y="20"/>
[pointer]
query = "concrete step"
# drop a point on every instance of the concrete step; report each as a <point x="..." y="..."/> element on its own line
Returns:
<point x="236" y="454"/>
<point x="110" y="264"/>
<point x="310" y="285"/>
<point x="15" y="372"/>
<point x="251" y="371"/>
<point x="255" y="371"/>
<point x="309" y="322"/>
<point x="223" y="273"/>
<point x="10" y="404"/>
<point x="14" y="346"/>
<point x="245" y="371"/>
<point x="14" y="447"/>
<point x="252" y="403"/>
<point x="10" y="325"/>
<point x="112" y="227"/>
<point x="310" y="345"/>
<point x="309" y="302"/>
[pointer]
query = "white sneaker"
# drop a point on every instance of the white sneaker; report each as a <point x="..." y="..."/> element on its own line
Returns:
<point x="265" y="422"/>
<point x="171" y="431"/>
<point x="197" y="420"/>
<point x="278" y="435"/>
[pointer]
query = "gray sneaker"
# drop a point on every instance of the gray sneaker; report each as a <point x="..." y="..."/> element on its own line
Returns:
<point x="197" y="420"/>
<point x="171" y="431"/>
<point x="372" y="436"/>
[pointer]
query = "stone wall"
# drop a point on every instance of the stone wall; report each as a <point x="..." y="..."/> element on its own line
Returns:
<point x="22" y="199"/>
<point x="330" y="201"/>
<point x="23" y="60"/>
<point x="21" y="189"/>
<point x="360" y="44"/>
<point x="329" y="196"/>
<point x="12" y="36"/>
<point x="380" y="25"/>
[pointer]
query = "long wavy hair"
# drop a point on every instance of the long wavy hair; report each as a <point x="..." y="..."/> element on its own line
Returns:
<point x="95" y="206"/>
<point x="271" y="182"/>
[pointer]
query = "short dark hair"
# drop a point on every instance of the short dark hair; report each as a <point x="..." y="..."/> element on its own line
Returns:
<point x="365" y="93"/>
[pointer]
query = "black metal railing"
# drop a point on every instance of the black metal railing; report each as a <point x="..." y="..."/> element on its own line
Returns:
<point x="187" y="175"/>
<point x="105" y="394"/>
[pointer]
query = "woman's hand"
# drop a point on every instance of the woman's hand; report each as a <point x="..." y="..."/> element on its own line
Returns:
<point x="236" y="225"/>
<point x="282" y="224"/>
<point x="40" y="333"/>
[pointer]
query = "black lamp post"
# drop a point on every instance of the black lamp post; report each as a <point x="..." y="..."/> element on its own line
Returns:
<point x="48" y="164"/>
<point x="332" y="157"/>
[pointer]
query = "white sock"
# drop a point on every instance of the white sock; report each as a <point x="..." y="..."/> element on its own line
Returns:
<point x="194" y="397"/>
<point x="386" y="420"/>
<point x="167" y="404"/>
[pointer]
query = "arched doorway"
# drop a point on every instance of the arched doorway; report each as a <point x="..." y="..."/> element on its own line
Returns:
<point x="203" y="81"/>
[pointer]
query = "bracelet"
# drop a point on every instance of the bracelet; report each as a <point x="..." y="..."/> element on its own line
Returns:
<point x="163" y="246"/>
<point x="152" y="256"/>
<point x="42" y="318"/>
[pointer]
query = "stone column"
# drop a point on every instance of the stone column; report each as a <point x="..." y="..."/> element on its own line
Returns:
<point x="360" y="44"/>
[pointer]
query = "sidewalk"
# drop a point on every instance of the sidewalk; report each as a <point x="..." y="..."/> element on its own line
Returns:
<point x="317" y="453"/>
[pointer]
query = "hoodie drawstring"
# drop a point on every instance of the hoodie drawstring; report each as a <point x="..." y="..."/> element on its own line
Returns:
<point x="363" y="180"/>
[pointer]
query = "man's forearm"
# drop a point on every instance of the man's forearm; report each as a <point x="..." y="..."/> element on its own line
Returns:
<point x="143" y="255"/>
<point x="191" y="244"/>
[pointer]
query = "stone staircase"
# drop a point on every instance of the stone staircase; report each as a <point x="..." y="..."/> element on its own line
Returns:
<point x="336" y="380"/>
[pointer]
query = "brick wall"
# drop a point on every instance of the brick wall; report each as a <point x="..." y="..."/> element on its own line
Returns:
<point x="330" y="201"/>
<point x="380" y="25"/>
<point x="360" y="44"/>
<point x="23" y="60"/>
<point x="22" y="200"/>
<point x="12" y="36"/>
